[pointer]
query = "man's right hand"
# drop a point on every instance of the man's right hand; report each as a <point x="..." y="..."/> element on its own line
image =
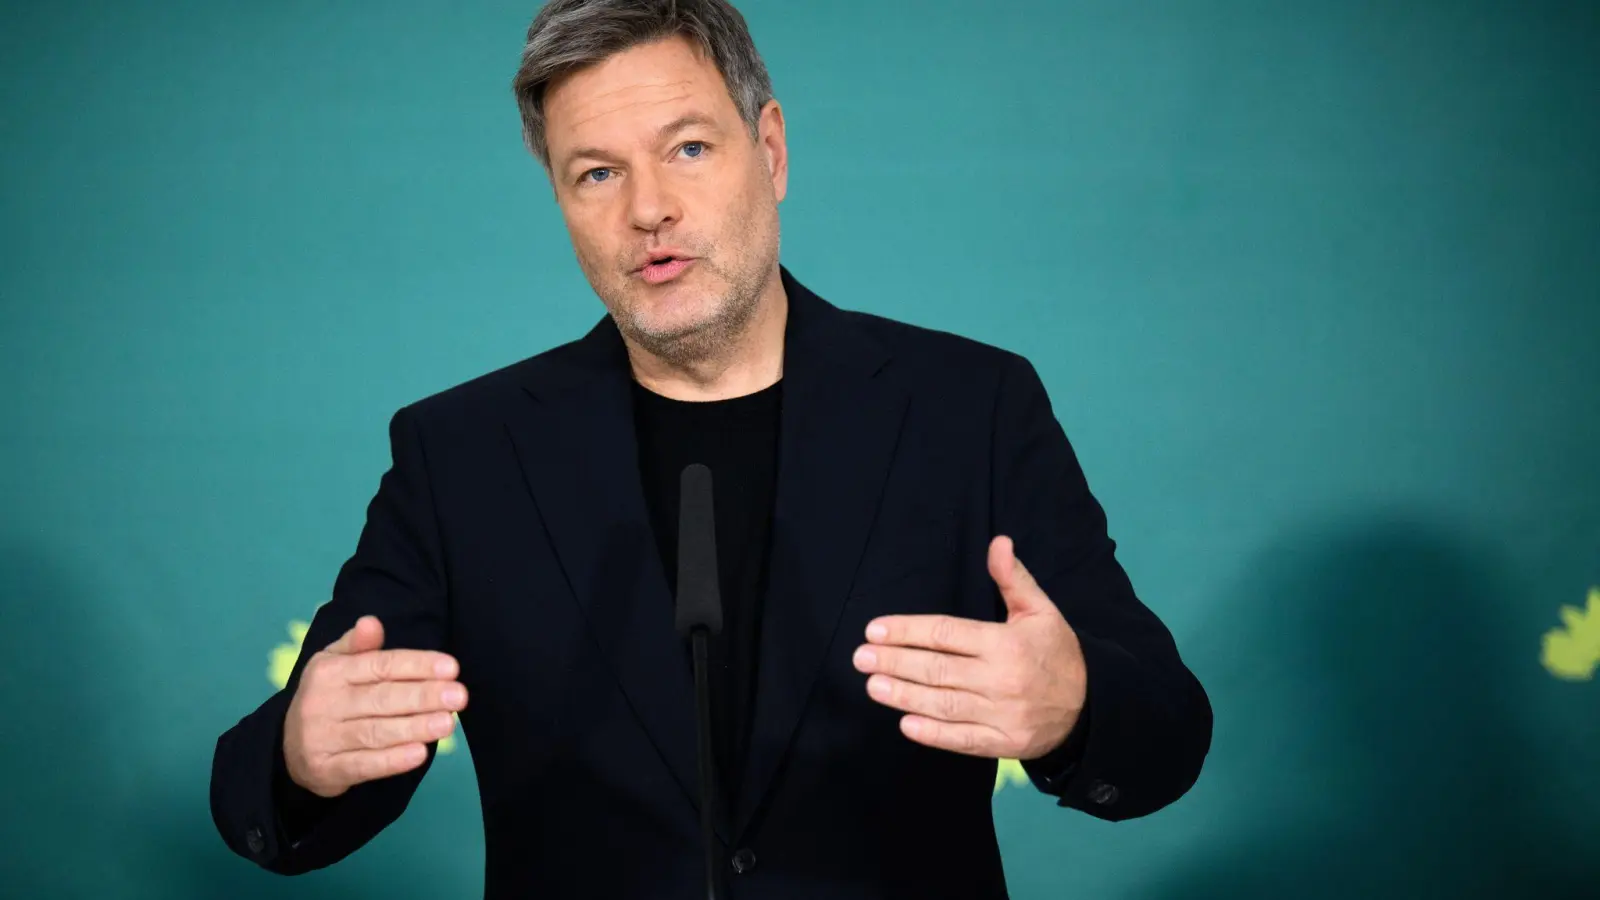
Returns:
<point x="362" y="713"/>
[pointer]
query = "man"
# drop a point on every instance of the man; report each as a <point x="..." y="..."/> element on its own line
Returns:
<point x="878" y="488"/>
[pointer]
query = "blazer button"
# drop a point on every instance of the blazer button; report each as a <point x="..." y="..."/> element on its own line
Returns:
<point x="1103" y="794"/>
<point x="744" y="860"/>
<point x="255" y="840"/>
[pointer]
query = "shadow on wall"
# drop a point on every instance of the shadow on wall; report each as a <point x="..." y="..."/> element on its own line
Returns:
<point x="1376" y="745"/>
<point x="86" y="815"/>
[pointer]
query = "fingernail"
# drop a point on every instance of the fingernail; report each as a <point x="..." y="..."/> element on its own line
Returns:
<point x="440" y="724"/>
<point x="876" y="632"/>
<point x="454" y="696"/>
<point x="865" y="659"/>
<point x="878" y="686"/>
<point x="445" y="668"/>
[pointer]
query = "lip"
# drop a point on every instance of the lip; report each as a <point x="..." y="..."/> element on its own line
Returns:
<point x="660" y="273"/>
<point x="646" y="258"/>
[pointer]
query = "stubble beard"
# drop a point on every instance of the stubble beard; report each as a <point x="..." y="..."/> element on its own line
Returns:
<point x="728" y="317"/>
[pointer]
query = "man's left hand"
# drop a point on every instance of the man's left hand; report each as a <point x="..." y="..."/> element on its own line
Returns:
<point x="1007" y="690"/>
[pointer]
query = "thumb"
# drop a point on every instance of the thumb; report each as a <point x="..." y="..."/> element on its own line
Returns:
<point x="1022" y="594"/>
<point x="366" y="634"/>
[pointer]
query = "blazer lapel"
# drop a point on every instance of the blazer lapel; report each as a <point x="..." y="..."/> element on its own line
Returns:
<point x="578" y="451"/>
<point x="577" y="445"/>
<point x="838" y="429"/>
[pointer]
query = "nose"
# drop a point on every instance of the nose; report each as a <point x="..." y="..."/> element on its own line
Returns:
<point x="652" y="204"/>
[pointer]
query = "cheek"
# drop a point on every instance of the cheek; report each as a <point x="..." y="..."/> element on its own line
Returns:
<point x="742" y="216"/>
<point x="589" y="241"/>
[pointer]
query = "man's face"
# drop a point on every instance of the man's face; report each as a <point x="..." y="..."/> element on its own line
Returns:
<point x="650" y="158"/>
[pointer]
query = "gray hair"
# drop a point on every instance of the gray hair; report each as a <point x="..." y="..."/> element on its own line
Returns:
<point x="568" y="35"/>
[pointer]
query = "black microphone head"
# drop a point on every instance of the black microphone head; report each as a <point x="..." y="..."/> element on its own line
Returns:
<point x="699" y="599"/>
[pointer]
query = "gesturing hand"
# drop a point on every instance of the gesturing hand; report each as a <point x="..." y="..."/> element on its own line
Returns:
<point x="1008" y="690"/>
<point x="361" y="712"/>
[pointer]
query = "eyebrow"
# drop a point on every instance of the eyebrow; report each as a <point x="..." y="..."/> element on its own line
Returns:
<point x="681" y="123"/>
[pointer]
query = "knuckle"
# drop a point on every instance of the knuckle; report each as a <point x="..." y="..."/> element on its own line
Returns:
<point x="411" y="664"/>
<point x="421" y="728"/>
<point x="316" y="668"/>
<point x="893" y="693"/>
<point x="939" y="670"/>
<point x="429" y="696"/>
<point x="383" y="666"/>
<point x="888" y="661"/>
<point x="368" y="701"/>
<point x="379" y="700"/>
<point x="382" y="763"/>
<point x="350" y="703"/>
<point x="358" y="768"/>
<point x="950" y="705"/>
<point x="368" y="733"/>
<point x="943" y="631"/>
<point x="397" y="699"/>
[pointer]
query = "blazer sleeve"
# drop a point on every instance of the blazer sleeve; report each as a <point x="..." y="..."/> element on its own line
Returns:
<point x="1151" y="724"/>
<point x="397" y="574"/>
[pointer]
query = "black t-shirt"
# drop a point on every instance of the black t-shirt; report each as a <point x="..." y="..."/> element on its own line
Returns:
<point x="738" y="440"/>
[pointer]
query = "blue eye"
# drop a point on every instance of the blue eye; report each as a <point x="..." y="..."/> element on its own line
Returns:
<point x="596" y="175"/>
<point x="696" y="146"/>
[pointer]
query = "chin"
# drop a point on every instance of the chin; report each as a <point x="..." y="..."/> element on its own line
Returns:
<point x="684" y="309"/>
<point x="669" y="326"/>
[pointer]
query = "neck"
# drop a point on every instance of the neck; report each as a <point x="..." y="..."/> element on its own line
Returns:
<point x="752" y="362"/>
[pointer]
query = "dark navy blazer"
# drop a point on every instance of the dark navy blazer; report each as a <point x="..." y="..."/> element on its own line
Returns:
<point x="511" y="531"/>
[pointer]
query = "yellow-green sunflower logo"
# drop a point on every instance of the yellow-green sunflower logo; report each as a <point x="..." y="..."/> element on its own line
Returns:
<point x="1009" y="771"/>
<point x="1572" y="652"/>
<point x="280" y="662"/>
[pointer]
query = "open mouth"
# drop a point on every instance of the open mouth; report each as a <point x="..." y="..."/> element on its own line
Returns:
<point x="664" y="268"/>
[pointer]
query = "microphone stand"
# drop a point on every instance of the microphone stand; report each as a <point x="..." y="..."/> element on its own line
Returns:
<point x="708" y="785"/>
<point x="698" y="616"/>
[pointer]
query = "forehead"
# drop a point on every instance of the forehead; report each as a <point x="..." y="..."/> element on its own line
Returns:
<point x="633" y="92"/>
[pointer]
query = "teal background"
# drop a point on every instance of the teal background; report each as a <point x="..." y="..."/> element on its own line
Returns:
<point x="1315" y="287"/>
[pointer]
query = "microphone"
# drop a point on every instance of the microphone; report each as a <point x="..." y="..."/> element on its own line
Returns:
<point x="699" y="597"/>
<point x="697" y="616"/>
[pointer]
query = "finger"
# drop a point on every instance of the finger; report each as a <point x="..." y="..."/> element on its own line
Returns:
<point x="403" y="698"/>
<point x="940" y="703"/>
<point x="1018" y="588"/>
<point x="365" y="635"/>
<point x="967" y="637"/>
<point x="959" y="737"/>
<point x="357" y="766"/>
<point x="400" y="665"/>
<point x="379" y="732"/>
<point x="928" y="667"/>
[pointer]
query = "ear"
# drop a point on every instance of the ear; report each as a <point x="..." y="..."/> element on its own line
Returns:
<point x="773" y="144"/>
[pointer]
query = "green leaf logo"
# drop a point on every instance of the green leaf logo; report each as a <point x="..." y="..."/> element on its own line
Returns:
<point x="1009" y="771"/>
<point x="1572" y="652"/>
